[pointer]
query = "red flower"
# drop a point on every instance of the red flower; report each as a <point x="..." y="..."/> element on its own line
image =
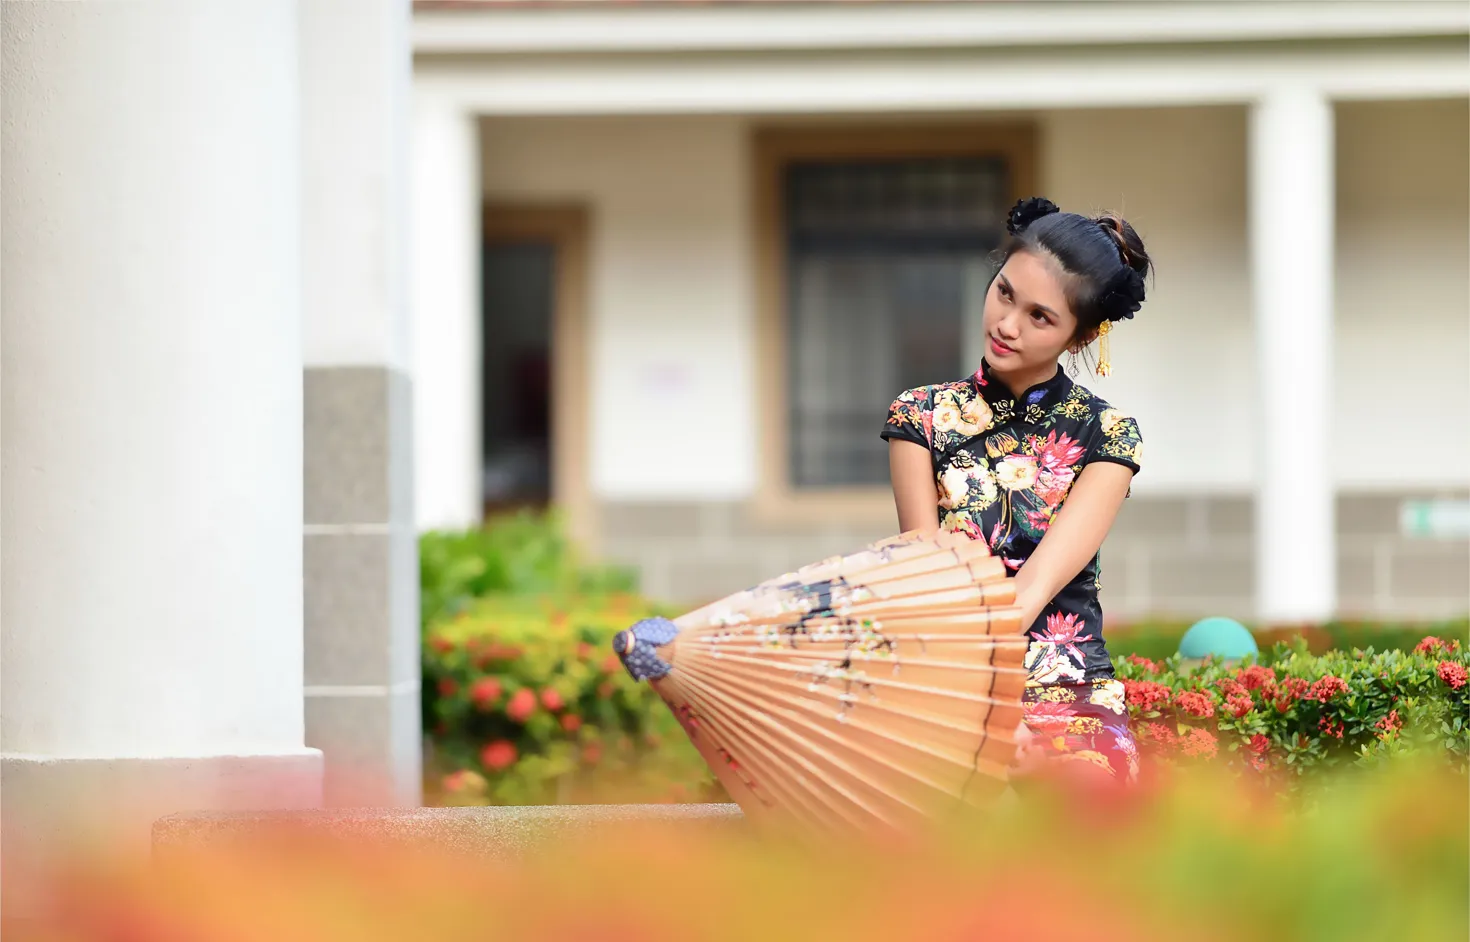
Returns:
<point x="1329" y="727"/>
<point x="1047" y="718"/>
<point x="499" y="755"/>
<point x="1200" y="743"/>
<point x="485" y="691"/>
<point x="1239" y="704"/>
<point x="1290" y="691"/>
<point x="441" y="644"/>
<point x="610" y="664"/>
<point x="1260" y="744"/>
<point x="1255" y="677"/>
<point x="1195" y="704"/>
<point x="1430" y="645"/>
<point x="1231" y="688"/>
<point x="448" y="687"/>
<point x="1390" y="724"/>
<point x="606" y="689"/>
<point x="552" y="700"/>
<point x="584" y="651"/>
<point x="1327" y="688"/>
<point x="522" y="704"/>
<point x="592" y="753"/>
<point x="1152" y="667"/>
<point x="1058" y="453"/>
<point x="1064" y="630"/>
<point x="1159" y="735"/>
<point x="1146" y="695"/>
<point x="1452" y="674"/>
<point x="571" y="722"/>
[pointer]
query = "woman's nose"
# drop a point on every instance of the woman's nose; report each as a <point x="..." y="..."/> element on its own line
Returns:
<point x="1008" y="326"/>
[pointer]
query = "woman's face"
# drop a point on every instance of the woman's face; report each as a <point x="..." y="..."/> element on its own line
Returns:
<point x="1028" y="323"/>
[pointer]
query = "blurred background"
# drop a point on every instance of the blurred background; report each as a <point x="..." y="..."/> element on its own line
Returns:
<point x="298" y="295"/>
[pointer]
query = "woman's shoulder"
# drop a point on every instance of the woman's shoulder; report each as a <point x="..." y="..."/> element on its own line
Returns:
<point x="927" y="396"/>
<point x="1084" y="404"/>
<point x="912" y="414"/>
<point x="1109" y="433"/>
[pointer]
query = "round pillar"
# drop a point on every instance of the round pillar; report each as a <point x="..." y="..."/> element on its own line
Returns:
<point x="152" y="413"/>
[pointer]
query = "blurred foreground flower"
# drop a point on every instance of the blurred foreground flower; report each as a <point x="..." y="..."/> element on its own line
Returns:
<point x="1196" y="855"/>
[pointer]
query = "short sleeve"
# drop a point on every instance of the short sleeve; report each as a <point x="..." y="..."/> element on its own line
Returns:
<point x="911" y="418"/>
<point x="1115" y="439"/>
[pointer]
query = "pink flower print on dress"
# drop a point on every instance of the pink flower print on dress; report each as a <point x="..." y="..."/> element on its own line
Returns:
<point x="1063" y="629"/>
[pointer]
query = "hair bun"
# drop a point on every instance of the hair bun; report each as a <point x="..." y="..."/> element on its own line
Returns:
<point x="1027" y="211"/>
<point x="1123" y="295"/>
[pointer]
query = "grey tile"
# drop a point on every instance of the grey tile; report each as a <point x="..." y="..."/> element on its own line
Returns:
<point x="1368" y="514"/>
<point x="400" y="451"/>
<point x="403" y="605"/>
<point x="697" y="579"/>
<point x="1230" y="516"/>
<point x="349" y="619"/>
<point x="1151" y="519"/>
<point x="1431" y="570"/>
<point x="623" y="521"/>
<point x="1357" y="579"/>
<point x="1212" y="574"/>
<point x="1378" y="514"/>
<point x="372" y="745"/>
<point x="358" y="445"/>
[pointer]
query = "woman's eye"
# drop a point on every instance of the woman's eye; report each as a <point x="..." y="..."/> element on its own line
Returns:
<point x="1040" y="318"/>
<point x="1005" y="292"/>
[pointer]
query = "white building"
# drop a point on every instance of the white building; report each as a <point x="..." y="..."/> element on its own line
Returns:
<point x="243" y="245"/>
<point x="686" y="353"/>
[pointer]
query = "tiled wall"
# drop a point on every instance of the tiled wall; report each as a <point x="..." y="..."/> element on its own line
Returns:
<point x="361" y="585"/>
<point x="1184" y="557"/>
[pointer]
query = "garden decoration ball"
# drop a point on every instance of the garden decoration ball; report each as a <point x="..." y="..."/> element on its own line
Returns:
<point x="1223" y="638"/>
<point x="878" y="689"/>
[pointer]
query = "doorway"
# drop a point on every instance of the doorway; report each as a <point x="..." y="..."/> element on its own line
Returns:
<point x="532" y="366"/>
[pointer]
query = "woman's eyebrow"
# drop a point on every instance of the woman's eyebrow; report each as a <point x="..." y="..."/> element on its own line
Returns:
<point x="1012" y="289"/>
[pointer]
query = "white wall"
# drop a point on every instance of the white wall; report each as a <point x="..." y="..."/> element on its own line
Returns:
<point x="354" y="234"/>
<point x="152" y="509"/>
<point x="671" y="291"/>
<point x="1183" y="365"/>
<point x="1403" y="295"/>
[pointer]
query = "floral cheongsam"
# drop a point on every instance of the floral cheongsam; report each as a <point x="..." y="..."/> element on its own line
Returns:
<point x="1004" y="467"/>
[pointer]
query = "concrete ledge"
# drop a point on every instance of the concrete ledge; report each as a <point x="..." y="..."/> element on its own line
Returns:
<point x="489" y="831"/>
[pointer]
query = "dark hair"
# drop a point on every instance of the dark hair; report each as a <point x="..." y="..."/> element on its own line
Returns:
<point x="1103" y="257"/>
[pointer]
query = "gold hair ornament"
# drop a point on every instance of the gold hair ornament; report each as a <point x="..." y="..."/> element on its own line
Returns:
<point x="1104" y="361"/>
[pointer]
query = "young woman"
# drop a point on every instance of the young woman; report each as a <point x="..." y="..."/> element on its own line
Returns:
<point x="1037" y="466"/>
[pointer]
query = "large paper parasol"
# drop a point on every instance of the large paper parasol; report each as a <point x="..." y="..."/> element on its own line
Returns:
<point x="880" y="688"/>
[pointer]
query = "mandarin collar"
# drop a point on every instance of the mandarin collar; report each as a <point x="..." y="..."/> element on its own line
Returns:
<point x="1042" y="395"/>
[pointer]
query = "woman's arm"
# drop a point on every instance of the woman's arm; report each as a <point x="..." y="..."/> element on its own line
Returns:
<point x="914" y="491"/>
<point x="1074" y="536"/>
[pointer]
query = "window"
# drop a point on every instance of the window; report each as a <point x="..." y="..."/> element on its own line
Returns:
<point x="886" y="264"/>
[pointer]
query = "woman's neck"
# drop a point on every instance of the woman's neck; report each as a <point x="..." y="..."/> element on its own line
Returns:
<point x="1021" y="380"/>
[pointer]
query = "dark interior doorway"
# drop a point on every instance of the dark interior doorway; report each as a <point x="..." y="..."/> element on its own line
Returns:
<point x="518" y="304"/>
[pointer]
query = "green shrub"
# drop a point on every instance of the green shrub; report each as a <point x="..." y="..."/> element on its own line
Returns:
<point x="1160" y="639"/>
<point x="527" y="705"/>
<point x="520" y="554"/>
<point x="1295" y="712"/>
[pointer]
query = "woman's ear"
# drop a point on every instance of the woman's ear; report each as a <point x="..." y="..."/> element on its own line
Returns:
<point x="1081" y="342"/>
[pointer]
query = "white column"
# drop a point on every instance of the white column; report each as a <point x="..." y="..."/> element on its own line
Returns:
<point x="152" y="458"/>
<point x="446" y="314"/>
<point x="362" y="659"/>
<point x="1291" y="234"/>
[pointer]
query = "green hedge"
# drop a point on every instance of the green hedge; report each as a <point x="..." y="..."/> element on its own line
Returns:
<point x="1294" y="712"/>
<point x="1160" y="639"/>
<point x="528" y="705"/>
<point x="525" y="703"/>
